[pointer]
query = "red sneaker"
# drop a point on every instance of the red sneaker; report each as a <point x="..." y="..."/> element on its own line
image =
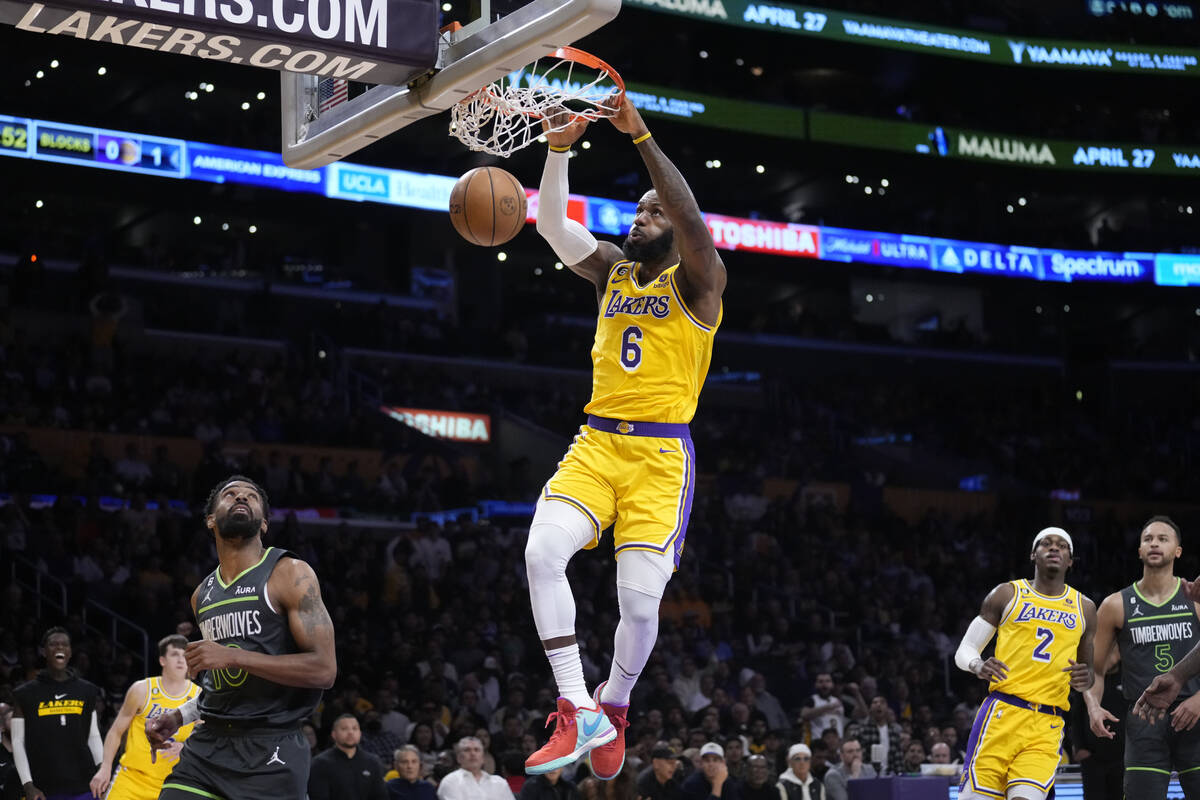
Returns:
<point x="577" y="731"/>
<point x="607" y="759"/>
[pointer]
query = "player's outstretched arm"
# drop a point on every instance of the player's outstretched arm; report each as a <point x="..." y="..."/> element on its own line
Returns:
<point x="702" y="279"/>
<point x="1082" y="674"/>
<point x="571" y="242"/>
<point x="969" y="656"/>
<point x="293" y="585"/>
<point x="1163" y="690"/>
<point x="135" y="699"/>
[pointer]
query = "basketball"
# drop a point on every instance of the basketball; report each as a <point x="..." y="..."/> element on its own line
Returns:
<point x="487" y="206"/>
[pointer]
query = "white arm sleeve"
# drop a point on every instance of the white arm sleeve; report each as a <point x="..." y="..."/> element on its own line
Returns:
<point x="95" y="743"/>
<point x="569" y="240"/>
<point x="190" y="711"/>
<point x="979" y="633"/>
<point x="17" y="727"/>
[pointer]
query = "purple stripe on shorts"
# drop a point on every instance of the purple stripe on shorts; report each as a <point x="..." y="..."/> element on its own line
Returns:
<point x="977" y="728"/>
<point x="673" y="430"/>
<point x="687" y="503"/>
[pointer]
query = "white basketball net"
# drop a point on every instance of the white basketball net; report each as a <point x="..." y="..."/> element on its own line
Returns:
<point x="501" y="119"/>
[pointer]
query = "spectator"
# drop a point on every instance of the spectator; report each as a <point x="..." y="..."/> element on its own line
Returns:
<point x="408" y="784"/>
<point x="759" y="783"/>
<point x="851" y="768"/>
<point x="550" y="786"/>
<point x="880" y="737"/>
<point x="914" y="757"/>
<point x="712" y="778"/>
<point x="735" y="760"/>
<point x="469" y="781"/>
<point x="379" y="742"/>
<point x="940" y="754"/>
<point x="660" y="781"/>
<point x="797" y="781"/>
<point x="346" y="771"/>
<point x="824" y="709"/>
<point x="310" y="736"/>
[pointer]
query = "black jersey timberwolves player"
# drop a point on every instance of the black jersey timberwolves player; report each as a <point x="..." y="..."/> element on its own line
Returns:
<point x="1155" y="625"/>
<point x="267" y="652"/>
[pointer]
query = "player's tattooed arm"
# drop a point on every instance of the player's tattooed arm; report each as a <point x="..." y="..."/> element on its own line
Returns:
<point x="702" y="275"/>
<point x="293" y="589"/>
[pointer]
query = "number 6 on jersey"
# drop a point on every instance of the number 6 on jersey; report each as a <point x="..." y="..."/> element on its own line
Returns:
<point x="631" y="348"/>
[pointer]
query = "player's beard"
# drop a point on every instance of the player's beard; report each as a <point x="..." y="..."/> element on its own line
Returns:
<point x="241" y="526"/>
<point x="649" y="250"/>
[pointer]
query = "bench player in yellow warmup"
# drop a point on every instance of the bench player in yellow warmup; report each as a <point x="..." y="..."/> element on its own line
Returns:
<point x="140" y="775"/>
<point x="1043" y="650"/>
<point x="632" y="464"/>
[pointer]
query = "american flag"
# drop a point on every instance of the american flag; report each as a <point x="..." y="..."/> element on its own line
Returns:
<point x="330" y="92"/>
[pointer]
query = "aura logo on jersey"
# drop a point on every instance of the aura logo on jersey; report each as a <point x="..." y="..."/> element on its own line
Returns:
<point x="1033" y="612"/>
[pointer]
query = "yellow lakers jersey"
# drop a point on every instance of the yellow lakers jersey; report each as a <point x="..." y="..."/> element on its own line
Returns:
<point x="651" y="353"/>
<point x="137" y="746"/>
<point x="1036" y="637"/>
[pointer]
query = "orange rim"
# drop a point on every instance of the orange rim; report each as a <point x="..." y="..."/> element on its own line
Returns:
<point x="568" y="53"/>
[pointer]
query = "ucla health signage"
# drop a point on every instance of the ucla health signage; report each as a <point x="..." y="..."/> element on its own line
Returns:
<point x="822" y="23"/>
<point x="150" y="155"/>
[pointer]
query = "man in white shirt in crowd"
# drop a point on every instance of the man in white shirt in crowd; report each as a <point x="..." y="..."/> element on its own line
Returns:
<point x="469" y="781"/>
<point x="824" y="709"/>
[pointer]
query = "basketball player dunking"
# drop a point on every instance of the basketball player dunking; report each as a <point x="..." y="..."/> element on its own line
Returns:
<point x="267" y="652"/>
<point x="659" y="299"/>
<point x="1044" y="649"/>
<point x="139" y="778"/>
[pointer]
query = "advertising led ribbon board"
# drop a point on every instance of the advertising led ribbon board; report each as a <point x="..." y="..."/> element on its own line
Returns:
<point x="978" y="46"/>
<point x="375" y="41"/>
<point x="178" y="158"/>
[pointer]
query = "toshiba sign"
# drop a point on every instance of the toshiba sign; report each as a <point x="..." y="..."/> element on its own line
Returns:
<point x="457" y="426"/>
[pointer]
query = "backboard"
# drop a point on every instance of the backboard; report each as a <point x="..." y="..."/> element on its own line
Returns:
<point x="317" y="131"/>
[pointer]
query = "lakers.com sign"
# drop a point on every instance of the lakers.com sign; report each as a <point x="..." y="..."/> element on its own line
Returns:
<point x="373" y="41"/>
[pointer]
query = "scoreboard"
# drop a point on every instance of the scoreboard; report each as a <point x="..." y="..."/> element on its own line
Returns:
<point x="95" y="147"/>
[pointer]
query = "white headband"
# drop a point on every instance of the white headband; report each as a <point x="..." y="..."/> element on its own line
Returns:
<point x="1054" y="532"/>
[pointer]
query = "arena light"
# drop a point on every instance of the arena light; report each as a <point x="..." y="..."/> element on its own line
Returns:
<point x="867" y="190"/>
<point x="102" y="71"/>
<point x="586" y="145"/>
<point x="760" y="169"/>
<point x="39" y="74"/>
<point x="537" y="271"/>
<point x="1021" y="201"/>
<point x="224" y="226"/>
<point x="245" y="106"/>
<point x="261" y="95"/>
<point x="502" y="256"/>
<point x="559" y="265"/>
<point x="884" y="182"/>
<point x="704" y="54"/>
<point x="196" y="220"/>
<point x="1009" y="208"/>
<point x="54" y="64"/>
<point x="254" y="229"/>
<point x="38" y="204"/>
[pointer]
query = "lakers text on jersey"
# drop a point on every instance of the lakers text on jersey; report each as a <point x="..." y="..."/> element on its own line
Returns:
<point x="651" y="353"/>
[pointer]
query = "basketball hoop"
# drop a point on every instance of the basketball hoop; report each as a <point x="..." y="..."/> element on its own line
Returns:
<point x="501" y="118"/>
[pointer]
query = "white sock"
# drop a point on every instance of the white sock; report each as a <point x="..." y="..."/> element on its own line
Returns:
<point x="568" y="674"/>
<point x="636" y="634"/>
